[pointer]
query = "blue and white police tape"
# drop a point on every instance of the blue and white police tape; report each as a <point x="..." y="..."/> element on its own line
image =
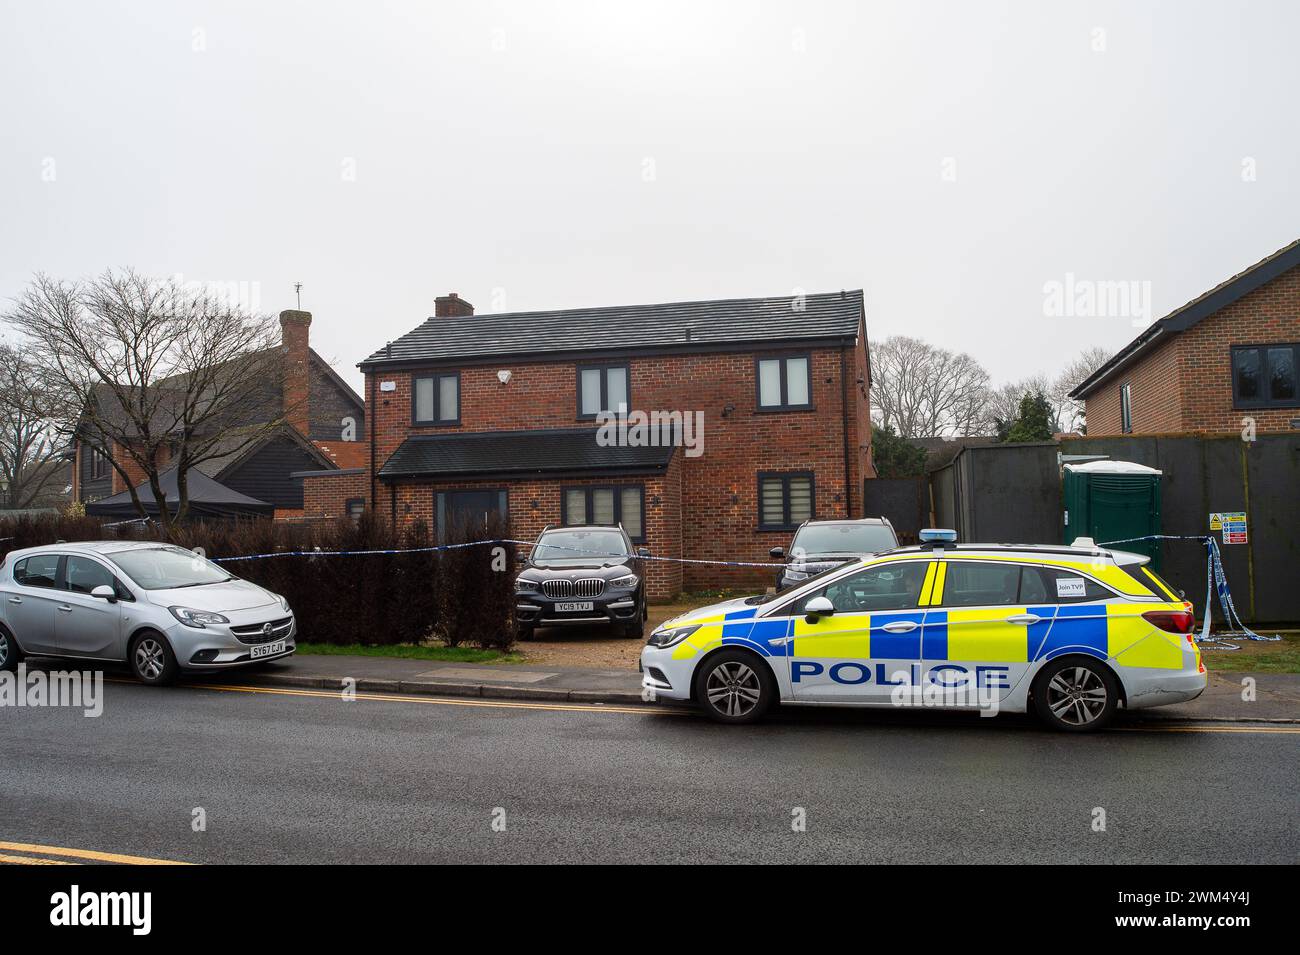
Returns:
<point x="317" y="552"/>
<point x="134" y="520"/>
<point x="1216" y="582"/>
<point x="674" y="560"/>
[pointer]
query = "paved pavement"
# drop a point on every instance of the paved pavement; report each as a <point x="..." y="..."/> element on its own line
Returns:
<point x="1277" y="695"/>
<point x="300" y="775"/>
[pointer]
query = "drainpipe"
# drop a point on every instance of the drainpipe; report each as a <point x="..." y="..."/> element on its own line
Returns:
<point x="844" y="424"/>
<point x="370" y="430"/>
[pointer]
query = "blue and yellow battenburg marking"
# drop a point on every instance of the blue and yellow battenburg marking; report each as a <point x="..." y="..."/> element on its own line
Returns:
<point x="1108" y="631"/>
<point x="736" y="628"/>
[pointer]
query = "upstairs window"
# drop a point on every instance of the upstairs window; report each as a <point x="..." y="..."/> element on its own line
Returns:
<point x="784" y="383"/>
<point x="435" y="399"/>
<point x="98" y="464"/>
<point x="1264" y="376"/>
<point x="1125" y="409"/>
<point x="603" y="388"/>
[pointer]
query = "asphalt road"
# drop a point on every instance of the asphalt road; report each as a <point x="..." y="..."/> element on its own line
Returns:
<point x="295" y="776"/>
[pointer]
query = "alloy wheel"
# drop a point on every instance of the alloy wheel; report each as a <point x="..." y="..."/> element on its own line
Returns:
<point x="4" y="650"/>
<point x="1076" y="696"/>
<point x="733" y="688"/>
<point x="150" y="660"/>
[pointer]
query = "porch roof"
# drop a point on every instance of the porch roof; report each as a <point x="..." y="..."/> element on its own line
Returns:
<point x="519" y="454"/>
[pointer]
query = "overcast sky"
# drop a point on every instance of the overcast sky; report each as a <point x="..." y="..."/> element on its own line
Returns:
<point x="952" y="159"/>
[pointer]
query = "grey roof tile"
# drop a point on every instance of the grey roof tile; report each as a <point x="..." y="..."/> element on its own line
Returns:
<point x="676" y="325"/>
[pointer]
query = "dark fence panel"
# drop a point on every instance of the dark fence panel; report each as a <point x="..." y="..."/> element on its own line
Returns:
<point x="1208" y="474"/>
<point x="943" y="492"/>
<point x="1002" y="493"/>
<point x="905" y="501"/>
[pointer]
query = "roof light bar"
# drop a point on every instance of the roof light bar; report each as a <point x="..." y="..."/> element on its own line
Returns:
<point x="937" y="537"/>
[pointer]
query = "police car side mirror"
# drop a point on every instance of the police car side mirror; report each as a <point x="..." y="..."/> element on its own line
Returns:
<point x="777" y="552"/>
<point x="105" y="592"/>
<point x="818" y="607"/>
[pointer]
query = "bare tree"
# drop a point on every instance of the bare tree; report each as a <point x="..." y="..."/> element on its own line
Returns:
<point x="1002" y="404"/>
<point x="924" y="391"/>
<point x="33" y="455"/>
<point x="1068" y="410"/>
<point x="157" y="374"/>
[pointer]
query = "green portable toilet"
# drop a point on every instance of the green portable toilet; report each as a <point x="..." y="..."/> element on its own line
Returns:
<point x="1113" y="500"/>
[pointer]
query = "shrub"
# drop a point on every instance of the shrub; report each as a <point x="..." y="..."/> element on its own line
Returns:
<point x="367" y="598"/>
<point x="476" y="596"/>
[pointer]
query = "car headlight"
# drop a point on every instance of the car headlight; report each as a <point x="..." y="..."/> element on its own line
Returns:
<point x="284" y="602"/>
<point x="523" y="586"/>
<point x="672" y="636"/>
<point x="627" y="580"/>
<point x="792" y="574"/>
<point x="196" y="618"/>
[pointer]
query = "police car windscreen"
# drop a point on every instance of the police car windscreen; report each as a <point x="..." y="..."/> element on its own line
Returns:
<point x="844" y="539"/>
<point x="579" y="546"/>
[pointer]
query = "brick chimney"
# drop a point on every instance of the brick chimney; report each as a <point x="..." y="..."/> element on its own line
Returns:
<point x="294" y="326"/>
<point x="451" y="305"/>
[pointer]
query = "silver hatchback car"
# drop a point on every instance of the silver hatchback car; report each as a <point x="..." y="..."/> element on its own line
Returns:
<point x="156" y="607"/>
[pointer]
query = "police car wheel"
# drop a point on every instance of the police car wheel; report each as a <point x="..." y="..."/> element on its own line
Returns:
<point x="1076" y="695"/>
<point x="734" y="687"/>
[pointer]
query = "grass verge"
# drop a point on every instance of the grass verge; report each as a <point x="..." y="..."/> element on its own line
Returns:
<point x="1255" y="655"/>
<point x="408" y="651"/>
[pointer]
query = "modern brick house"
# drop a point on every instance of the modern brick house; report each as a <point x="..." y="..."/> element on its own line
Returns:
<point x="498" y="413"/>
<point x="323" y="433"/>
<point x="1226" y="356"/>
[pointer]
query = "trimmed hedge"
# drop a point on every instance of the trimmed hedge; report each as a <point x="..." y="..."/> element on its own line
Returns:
<point x="463" y="596"/>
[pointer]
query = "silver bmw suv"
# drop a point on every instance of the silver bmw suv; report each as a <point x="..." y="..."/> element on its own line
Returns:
<point x="156" y="607"/>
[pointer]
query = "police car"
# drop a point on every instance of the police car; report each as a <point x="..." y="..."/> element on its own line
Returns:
<point x="1070" y="633"/>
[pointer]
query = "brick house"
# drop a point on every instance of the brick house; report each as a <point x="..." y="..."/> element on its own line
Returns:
<point x="501" y="413"/>
<point x="323" y="432"/>
<point x="1228" y="355"/>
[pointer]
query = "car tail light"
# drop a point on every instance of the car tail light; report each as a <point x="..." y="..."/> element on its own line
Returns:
<point x="1173" y="621"/>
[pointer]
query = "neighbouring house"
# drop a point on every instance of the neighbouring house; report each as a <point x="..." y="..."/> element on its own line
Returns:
<point x="502" y="413"/>
<point x="1223" y="362"/>
<point x="323" y="434"/>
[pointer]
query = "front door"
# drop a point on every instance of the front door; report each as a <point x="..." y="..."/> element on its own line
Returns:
<point x="86" y="626"/>
<point x="468" y="511"/>
<point x="870" y="645"/>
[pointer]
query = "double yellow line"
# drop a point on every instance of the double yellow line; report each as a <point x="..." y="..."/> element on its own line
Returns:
<point x="440" y="700"/>
<point x="40" y="855"/>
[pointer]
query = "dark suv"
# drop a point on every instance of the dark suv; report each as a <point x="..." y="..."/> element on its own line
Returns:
<point x="821" y="545"/>
<point x="582" y="575"/>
